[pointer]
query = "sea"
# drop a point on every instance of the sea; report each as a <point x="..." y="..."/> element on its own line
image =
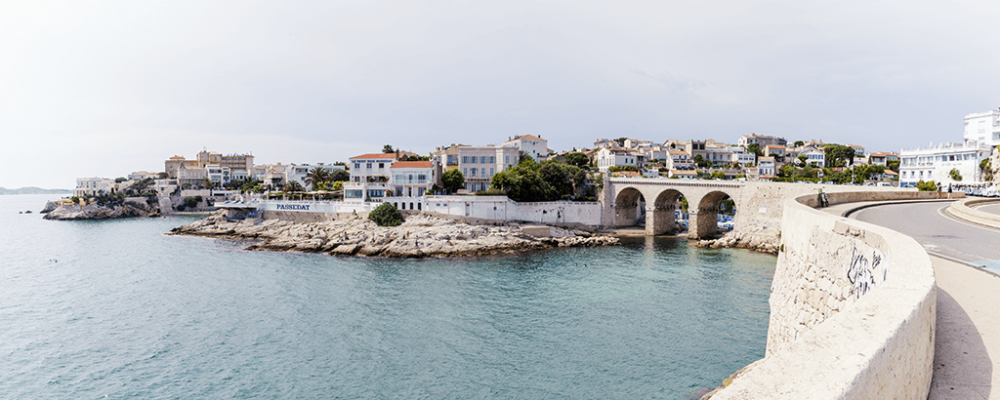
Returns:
<point x="118" y="309"/>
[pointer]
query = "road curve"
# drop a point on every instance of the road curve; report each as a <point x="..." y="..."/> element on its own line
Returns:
<point x="967" y="338"/>
<point x="938" y="233"/>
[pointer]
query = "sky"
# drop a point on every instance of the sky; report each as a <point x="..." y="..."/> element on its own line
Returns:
<point x="107" y="88"/>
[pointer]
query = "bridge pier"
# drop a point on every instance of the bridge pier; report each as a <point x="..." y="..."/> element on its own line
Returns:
<point x="626" y="215"/>
<point x="702" y="224"/>
<point x="660" y="220"/>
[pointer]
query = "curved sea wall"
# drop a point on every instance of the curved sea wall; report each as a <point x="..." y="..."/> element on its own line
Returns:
<point x="852" y="311"/>
<point x="963" y="210"/>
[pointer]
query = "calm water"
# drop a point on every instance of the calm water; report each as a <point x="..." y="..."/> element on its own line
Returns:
<point x="116" y="309"/>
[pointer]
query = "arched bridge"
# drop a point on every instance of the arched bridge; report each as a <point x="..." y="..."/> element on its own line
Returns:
<point x="627" y="198"/>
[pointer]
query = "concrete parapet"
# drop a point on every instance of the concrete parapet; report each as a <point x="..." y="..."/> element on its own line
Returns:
<point x="963" y="210"/>
<point x="852" y="310"/>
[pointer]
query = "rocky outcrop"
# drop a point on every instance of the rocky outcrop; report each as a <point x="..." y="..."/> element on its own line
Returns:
<point x="91" y="211"/>
<point x="50" y="207"/>
<point x="748" y="240"/>
<point x="420" y="236"/>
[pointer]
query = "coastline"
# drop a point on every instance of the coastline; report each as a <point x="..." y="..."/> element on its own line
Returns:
<point x="419" y="236"/>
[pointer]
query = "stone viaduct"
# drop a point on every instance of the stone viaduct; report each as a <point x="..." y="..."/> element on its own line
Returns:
<point x="626" y="198"/>
<point x="758" y="204"/>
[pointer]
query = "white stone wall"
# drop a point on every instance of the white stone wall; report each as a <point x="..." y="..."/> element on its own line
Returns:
<point x="852" y="312"/>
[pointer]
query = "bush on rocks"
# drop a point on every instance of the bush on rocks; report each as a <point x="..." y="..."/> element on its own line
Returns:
<point x="386" y="215"/>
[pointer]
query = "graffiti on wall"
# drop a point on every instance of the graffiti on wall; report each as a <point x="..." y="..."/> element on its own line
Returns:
<point x="866" y="272"/>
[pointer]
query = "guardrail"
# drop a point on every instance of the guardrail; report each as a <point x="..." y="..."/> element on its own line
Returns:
<point x="963" y="210"/>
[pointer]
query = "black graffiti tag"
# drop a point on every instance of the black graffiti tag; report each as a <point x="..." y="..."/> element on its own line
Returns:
<point x="861" y="273"/>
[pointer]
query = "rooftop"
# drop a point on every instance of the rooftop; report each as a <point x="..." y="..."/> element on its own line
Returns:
<point x="375" y="156"/>
<point x="412" y="164"/>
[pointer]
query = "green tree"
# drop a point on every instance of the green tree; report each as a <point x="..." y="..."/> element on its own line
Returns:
<point x="755" y="148"/>
<point x="577" y="159"/>
<point x="453" y="180"/>
<point x="799" y="143"/>
<point x="388" y="149"/>
<point x="802" y="158"/>
<point x="838" y="155"/>
<point x="893" y="165"/>
<point x="162" y="175"/>
<point x="291" y="186"/>
<point x="718" y="175"/>
<point x="339" y="175"/>
<point x="386" y="215"/>
<point x="120" y="179"/>
<point x="317" y="176"/>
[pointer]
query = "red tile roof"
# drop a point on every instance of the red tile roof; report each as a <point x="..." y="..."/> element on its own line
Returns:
<point x="376" y="156"/>
<point x="412" y="164"/>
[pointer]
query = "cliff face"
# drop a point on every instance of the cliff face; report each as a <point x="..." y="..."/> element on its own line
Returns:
<point x="128" y="209"/>
<point x="994" y="166"/>
<point x="419" y="236"/>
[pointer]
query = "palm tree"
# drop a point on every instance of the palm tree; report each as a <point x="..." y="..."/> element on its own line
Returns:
<point x="292" y="186"/>
<point x="316" y="176"/>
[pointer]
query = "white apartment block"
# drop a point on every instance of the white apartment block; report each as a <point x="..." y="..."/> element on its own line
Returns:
<point x="983" y="128"/>
<point x="532" y="146"/>
<point x="93" y="186"/>
<point x="270" y="175"/>
<point x="479" y="164"/>
<point x="607" y="158"/>
<point x="934" y="163"/>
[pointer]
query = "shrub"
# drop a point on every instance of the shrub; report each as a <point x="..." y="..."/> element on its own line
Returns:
<point x="928" y="186"/>
<point x="955" y="175"/>
<point x="386" y="215"/>
<point x="74" y="199"/>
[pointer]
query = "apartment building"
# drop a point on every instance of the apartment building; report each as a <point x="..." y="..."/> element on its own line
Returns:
<point x="607" y="158"/>
<point x="761" y="140"/>
<point x="980" y="136"/>
<point x="479" y="164"/>
<point x="93" y="186"/>
<point x="413" y="178"/>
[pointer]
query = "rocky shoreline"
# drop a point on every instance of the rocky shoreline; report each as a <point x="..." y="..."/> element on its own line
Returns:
<point x="93" y="211"/>
<point x="746" y="240"/>
<point x="419" y="236"/>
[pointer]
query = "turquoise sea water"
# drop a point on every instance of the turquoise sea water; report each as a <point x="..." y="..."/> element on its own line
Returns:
<point x="117" y="309"/>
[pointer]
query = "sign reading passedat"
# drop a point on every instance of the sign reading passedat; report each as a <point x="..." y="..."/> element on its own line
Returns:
<point x="293" y="207"/>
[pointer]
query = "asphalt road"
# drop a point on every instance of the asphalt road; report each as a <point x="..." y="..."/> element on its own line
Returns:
<point x="939" y="234"/>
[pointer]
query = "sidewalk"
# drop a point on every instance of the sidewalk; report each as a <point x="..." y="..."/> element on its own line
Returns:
<point x="967" y="339"/>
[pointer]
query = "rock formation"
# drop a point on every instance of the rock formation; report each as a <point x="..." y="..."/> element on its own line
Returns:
<point x="419" y="236"/>
<point x="745" y="239"/>
<point x="128" y="209"/>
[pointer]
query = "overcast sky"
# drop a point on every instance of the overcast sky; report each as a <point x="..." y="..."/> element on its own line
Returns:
<point x="106" y="88"/>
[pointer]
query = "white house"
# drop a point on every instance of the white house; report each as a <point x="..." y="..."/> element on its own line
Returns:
<point x="679" y="160"/>
<point x="607" y="158"/>
<point x="531" y="145"/>
<point x="760" y="140"/>
<point x="765" y="167"/>
<point x="370" y="175"/>
<point x="412" y="178"/>
<point x="93" y="186"/>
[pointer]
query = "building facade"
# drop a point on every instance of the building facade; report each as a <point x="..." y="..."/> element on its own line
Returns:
<point x="479" y="164"/>
<point x="532" y="146"/>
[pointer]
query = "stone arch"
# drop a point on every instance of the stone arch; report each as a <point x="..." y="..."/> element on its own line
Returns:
<point x="707" y="224"/>
<point x="660" y="214"/>
<point x="627" y="207"/>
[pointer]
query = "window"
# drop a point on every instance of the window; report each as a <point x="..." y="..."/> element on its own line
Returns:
<point x="482" y="160"/>
<point x="357" y="165"/>
<point x="465" y="159"/>
<point x="506" y="160"/>
<point x="369" y="165"/>
<point x="473" y="173"/>
<point x="465" y="171"/>
<point x="491" y="172"/>
<point x="493" y="160"/>
<point x="381" y="165"/>
<point x="482" y="172"/>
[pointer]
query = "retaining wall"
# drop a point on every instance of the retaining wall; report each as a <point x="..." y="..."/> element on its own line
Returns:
<point x="853" y="309"/>
<point x="963" y="210"/>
